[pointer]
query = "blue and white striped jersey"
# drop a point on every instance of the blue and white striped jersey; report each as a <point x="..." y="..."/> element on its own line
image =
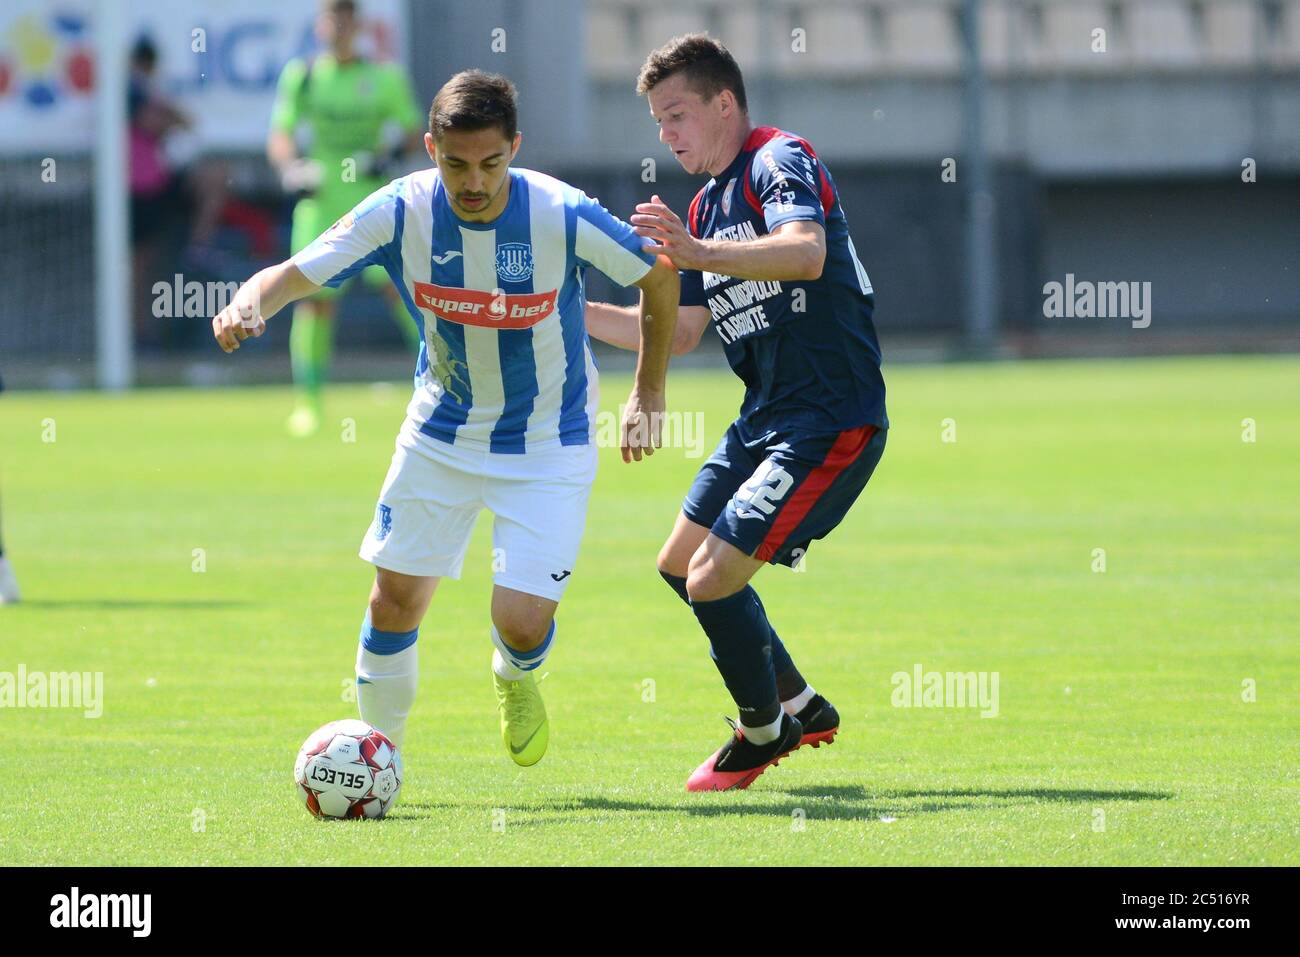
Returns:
<point x="505" y="364"/>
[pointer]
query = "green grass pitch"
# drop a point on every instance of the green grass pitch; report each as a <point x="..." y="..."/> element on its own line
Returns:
<point x="1146" y="715"/>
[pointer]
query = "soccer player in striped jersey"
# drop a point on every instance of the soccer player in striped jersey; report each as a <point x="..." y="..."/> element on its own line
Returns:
<point x="490" y="261"/>
<point x="766" y="257"/>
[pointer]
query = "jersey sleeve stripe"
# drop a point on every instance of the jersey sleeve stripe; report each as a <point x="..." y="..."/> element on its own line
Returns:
<point x="827" y="193"/>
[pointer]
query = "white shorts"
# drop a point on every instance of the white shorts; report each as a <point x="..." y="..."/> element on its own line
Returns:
<point x="435" y="491"/>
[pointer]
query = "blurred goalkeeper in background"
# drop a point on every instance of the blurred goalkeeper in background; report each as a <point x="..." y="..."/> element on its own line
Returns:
<point x="347" y="109"/>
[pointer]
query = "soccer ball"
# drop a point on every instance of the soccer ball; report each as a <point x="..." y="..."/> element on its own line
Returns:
<point x="348" y="769"/>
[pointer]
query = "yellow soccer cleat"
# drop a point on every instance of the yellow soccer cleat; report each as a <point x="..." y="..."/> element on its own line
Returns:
<point x="524" y="727"/>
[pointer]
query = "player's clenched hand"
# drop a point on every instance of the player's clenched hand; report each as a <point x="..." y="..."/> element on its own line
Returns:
<point x="642" y="426"/>
<point x="239" y="320"/>
<point x="656" y="221"/>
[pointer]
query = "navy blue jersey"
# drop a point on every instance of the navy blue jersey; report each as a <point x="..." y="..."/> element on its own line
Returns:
<point x="806" y="350"/>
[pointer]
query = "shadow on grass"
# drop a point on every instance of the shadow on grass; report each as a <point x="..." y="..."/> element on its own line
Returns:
<point x="838" y="802"/>
<point x="1066" y="795"/>
<point x="839" y="810"/>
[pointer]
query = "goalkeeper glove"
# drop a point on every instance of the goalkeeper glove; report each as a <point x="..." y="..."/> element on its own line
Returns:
<point x="302" y="177"/>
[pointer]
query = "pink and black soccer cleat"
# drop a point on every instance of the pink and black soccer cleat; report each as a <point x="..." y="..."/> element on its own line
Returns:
<point x="820" y="721"/>
<point x="736" y="764"/>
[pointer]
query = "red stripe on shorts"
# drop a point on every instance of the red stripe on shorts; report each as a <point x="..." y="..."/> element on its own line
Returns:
<point x="846" y="449"/>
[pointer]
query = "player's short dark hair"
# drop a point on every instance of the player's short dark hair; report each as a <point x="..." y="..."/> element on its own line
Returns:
<point x="474" y="100"/>
<point x="708" y="66"/>
<point x="338" y="6"/>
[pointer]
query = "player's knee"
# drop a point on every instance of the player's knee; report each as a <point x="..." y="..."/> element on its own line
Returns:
<point x="522" y="629"/>
<point x="391" y="610"/>
<point x="670" y="563"/>
<point x="703" y="583"/>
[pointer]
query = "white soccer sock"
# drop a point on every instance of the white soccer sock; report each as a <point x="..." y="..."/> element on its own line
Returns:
<point x="386" y="686"/>
<point x="511" y="664"/>
<point x="764" y="733"/>
<point x="799" y="701"/>
<point x="503" y="668"/>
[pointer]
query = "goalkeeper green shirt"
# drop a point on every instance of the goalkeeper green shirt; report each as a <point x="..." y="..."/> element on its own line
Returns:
<point x="344" y="108"/>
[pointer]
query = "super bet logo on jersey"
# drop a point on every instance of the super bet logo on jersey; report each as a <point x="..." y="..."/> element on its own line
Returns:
<point x="473" y="307"/>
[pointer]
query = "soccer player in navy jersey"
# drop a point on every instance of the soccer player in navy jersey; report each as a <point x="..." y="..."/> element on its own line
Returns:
<point x="765" y="256"/>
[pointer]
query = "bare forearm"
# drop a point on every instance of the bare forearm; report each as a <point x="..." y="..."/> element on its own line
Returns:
<point x="274" y="288"/>
<point x="771" y="257"/>
<point x="617" y="325"/>
<point x="658" y="322"/>
<point x="265" y="294"/>
<point x="656" y="347"/>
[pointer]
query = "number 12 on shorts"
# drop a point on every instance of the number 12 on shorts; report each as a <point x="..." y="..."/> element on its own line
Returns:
<point x="759" y="496"/>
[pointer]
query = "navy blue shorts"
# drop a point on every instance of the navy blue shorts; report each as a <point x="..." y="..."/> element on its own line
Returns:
<point x="773" y="493"/>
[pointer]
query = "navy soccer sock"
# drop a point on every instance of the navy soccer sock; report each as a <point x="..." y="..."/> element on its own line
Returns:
<point x="741" y="642"/>
<point x="677" y="583"/>
<point x="788" y="680"/>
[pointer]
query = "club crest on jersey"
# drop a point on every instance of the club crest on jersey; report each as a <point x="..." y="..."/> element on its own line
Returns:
<point x="514" y="262"/>
<point x="726" y="198"/>
<point x="383" y="521"/>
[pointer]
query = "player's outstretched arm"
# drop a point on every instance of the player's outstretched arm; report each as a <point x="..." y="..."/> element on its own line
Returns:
<point x="620" y="326"/>
<point x="793" y="251"/>
<point x="643" y="417"/>
<point x="265" y="294"/>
